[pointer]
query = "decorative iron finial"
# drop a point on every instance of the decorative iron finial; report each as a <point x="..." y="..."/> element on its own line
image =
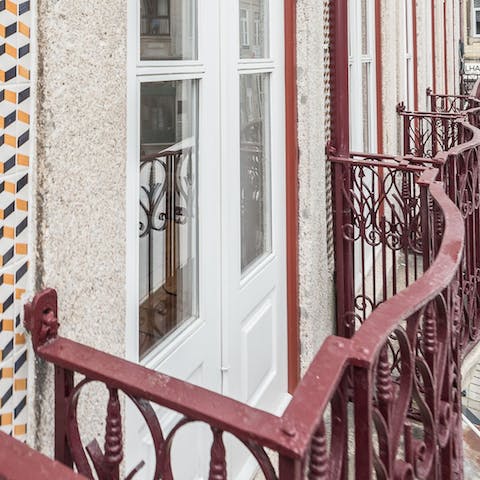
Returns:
<point x="41" y="317"/>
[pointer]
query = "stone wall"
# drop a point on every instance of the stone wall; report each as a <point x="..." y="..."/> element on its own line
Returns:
<point x="80" y="180"/>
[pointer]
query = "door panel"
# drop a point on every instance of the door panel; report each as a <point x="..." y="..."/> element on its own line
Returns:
<point x="257" y="350"/>
<point x="253" y="181"/>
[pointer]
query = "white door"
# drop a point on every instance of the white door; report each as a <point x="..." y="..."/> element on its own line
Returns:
<point x="207" y="270"/>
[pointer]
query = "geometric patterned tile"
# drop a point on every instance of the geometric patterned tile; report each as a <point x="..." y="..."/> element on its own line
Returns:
<point x="19" y="400"/>
<point x="7" y="313"/>
<point x="6" y="395"/>
<point x="15" y="161"/>
<point x="14" y="216"/>
<point x="15" y="56"/>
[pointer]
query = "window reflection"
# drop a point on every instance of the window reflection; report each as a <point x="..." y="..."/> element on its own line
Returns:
<point x="168" y="231"/>
<point x="168" y="29"/>
<point x="253" y="28"/>
<point x="254" y="168"/>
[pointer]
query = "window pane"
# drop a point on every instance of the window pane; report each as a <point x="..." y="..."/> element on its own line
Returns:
<point x="168" y="29"/>
<point x="168" y="209"/>
<point x="366" y="106"/>
<point x="254" y="168"/>
<point x="365" y="32"/>
<point x="477" y="22"/>
<point x="253" y="28"/>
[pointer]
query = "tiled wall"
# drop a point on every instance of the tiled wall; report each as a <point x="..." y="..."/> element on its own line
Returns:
<point x="15" y="161"/>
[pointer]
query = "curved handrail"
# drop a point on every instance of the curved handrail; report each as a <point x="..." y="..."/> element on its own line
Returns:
<point x="290" y="434"/>
<point x="363" y="348"/>
<point x="299" y="430"/>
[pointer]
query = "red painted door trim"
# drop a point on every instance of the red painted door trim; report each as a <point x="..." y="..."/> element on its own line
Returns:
<point x="291" y="135"/>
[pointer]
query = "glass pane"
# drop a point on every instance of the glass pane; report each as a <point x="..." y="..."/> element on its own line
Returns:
<point x="365" y="32"/>
<point x="477" y="22"/>
<point x="168" y="30"/>
<point x="254" y="167"/>
<point x="253" y="28"/>
<point x="366" y="106"/>
<point x="168" y="209"/>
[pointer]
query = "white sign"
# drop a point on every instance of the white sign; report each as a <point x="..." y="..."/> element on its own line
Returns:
<point x="472" y="68"/>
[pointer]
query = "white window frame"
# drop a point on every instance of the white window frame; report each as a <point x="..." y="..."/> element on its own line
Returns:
<point x="144" y="71"/>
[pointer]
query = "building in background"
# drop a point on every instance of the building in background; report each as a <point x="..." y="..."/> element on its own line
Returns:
<point x="470" y="43"/>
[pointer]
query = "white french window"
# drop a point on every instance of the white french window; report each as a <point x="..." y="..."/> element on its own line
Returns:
<point x="206" y="245"/>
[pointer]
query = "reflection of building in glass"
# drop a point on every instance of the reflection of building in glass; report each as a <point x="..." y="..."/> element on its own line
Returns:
<point x="167" y="30"/>
<point x="254" y="168"/>
<point x="155" y="17"/>
<point x="252" y="28"/>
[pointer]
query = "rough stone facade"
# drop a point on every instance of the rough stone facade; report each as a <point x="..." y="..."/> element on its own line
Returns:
<point x="80" y="179"/>
<point x="317" y="317"/>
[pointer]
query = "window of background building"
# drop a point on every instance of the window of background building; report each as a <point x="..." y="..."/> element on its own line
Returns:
<point x="244" y="34"/>
<point x="476" y="18"/>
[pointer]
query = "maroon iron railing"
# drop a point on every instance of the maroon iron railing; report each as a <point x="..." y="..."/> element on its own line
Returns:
<point x="454" y="103"/>
<point x="19" y="462"/>
<point x="396" y="372"/>
<point x="380" y="399"/>
<point x="460" y="173"/>
<point x="383" y="397"/>
<point x="425" y="134"/>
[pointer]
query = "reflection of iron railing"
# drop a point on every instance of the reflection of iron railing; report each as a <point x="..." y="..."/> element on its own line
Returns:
<point x="165" y="204"/>
<point x="252" y="208"/>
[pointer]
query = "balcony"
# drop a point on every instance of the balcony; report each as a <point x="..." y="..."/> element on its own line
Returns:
<point x="383" y="396"/>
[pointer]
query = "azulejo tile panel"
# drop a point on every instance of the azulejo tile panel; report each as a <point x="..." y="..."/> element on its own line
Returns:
<point x="15" y="163"/>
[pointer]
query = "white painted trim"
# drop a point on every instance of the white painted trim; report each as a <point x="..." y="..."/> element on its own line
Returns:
<point x="131" y="189"/>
